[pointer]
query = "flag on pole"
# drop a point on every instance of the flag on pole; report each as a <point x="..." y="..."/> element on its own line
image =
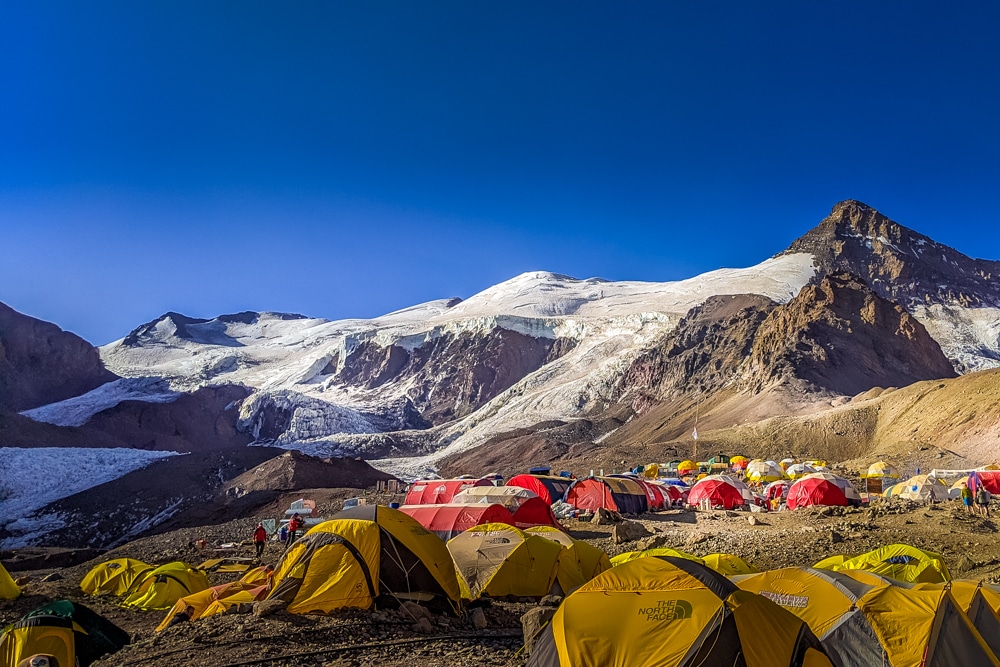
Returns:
<point x="694" y="433"/>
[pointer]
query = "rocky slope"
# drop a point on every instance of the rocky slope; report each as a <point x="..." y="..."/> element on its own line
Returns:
<point x="40" y="363"/>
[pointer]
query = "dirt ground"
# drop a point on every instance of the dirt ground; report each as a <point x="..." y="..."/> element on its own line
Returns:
<point x="970" y="545"/>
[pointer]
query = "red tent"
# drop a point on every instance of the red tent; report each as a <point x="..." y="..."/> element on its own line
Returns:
<point x="815" y="491"/>
<point x="439" y="491"/>
<point x="721" y="491"/>
<point x="612" y="493"/>
<point x="546" y="487"/>
<point x="447" y="521"/>
<point x="777" y="489"/>
<point x="655" y="500"/>
<point x="534" y="512"/>
<point x="675" y="495"/>
<point x="988" y="478"/>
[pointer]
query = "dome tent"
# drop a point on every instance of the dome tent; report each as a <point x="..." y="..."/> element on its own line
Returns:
<point x="720" y="491"/>
<point x="672" y="612"/>
<point x="160" y="588"/>
<point x="815" y="491"/>
<point x="549" y="488"/>
<point x="115" y="577"/>
<point x="580" y="561"/>
<point x="8" y="589"/>
<point x="498" y="560"/>
<point x="438" y="491"/>
<point x="764" y="471"/>
<point x="447" y="521"/>
<point x="70" y="632"/>
<point x="611" y="493"/>
<point x="361" y="555"/>
<point x="897" y="561"/>
<point x="865" y="619"/>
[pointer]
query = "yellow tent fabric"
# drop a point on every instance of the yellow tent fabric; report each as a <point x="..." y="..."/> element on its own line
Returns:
<point x="831" y="562"/>
<point x="919" y="487"/>
<point x="671" y="613"/>
<point x="162" y="587"/>
<point x="117" y="577"/>
<point x="686" y="467"/>
<point x="8" y="589"/>
<point x="342" y="564"/>
<point x="881" y="469"/>
<point x="580" y="561"/>
<point x="18" y="643"/>
<point x="203" y="599"/>
<point x="258" y="576"/>
<point x="728" y="564"/>
<point x="863" y="618"/>
<point x="630" y="556"/>
<point x="497" y="560"/>
<point x="896" y="561"/>
<point x="764" y="471"/>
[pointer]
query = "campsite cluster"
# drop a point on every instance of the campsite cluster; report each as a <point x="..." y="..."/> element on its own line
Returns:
<point x="459" y="572"/>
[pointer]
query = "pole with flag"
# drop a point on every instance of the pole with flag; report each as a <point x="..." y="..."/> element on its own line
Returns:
<point x="694" y="433"/>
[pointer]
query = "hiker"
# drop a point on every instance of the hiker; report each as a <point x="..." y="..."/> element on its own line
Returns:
<point x="182" y="617"/>
<point x="293" y="527"/>
<point x="967" y="497"/>
<point x="259" y="539"/>
<point x="983" y="501"/>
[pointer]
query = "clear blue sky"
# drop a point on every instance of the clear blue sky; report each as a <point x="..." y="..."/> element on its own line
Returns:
<point x="344" y="159"/>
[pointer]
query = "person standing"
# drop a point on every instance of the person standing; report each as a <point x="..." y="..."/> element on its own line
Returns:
<point x="983" y="501"/>
<point x="259" y="539"/>
<point x="294" y="524"/>
<point x="967" y="497"/>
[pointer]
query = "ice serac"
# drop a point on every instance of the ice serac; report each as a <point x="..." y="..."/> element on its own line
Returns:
<point x="956" y="297"/>
<point x="40" y="363"/>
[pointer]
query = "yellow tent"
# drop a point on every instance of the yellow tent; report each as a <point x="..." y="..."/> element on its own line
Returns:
<point x="728" y="564"/>
<point x="162" y="587"/>
<point x="630" y="556"/>
<point x="686" y="467"/>
<point x="865" y="619"/>
<point x="8" y="589"/>
<point x="672" y="612"/>
<point x="258" y="576"/>
<point x="579" y="562"/>
<point x="764" y="471"/>
<point x="367" y="552"/>
<point x="70" y="632"/>
<point x="981" y="602"/>
<point x="896" y="561"/>
<point x="203" y="600"/>
<point x="114" y="577"/>
<point x="498" y="560"/>
<point x="881" y="469"/>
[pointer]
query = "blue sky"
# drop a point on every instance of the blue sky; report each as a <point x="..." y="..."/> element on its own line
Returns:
<point x="343" y="159"/>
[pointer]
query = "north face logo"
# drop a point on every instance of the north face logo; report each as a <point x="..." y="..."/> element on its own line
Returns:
<point x="667" y="610"/>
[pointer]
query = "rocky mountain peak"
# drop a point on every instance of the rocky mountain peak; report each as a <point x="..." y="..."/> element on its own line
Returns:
<point x="896" y="262"/>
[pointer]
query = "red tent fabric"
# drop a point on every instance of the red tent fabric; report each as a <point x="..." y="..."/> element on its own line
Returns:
<point x="654" y="499"/>
<point x="546" y="487"/>
<point x="806" y="492"/>
<point x="534" y="512"/>
<point x="611" y="493"/>
<point x="777" y="489"/>
<point x="439" y="491"/>
<point x="988" y="478"/>
<point x="674" y="494"/>
<point x="447" y="521"/>
<point x="721" y="491"/>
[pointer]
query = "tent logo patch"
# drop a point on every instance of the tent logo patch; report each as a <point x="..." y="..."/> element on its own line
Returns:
<point x="784" y="600"/>
<point x="667" y="610"/>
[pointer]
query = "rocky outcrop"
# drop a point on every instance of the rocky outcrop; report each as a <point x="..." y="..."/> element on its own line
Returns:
<point x="898" y="263"/>
<point x="840" y="336"/>
<point x="40" y="363"/>
<point x="452" y="375"/>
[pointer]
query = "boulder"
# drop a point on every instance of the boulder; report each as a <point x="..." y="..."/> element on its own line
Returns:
<point x="551" y="601"/>
<point x="532" y="624"/>
<point x="603" y="517"/>
<point x="423" y="626"/>
<point x="628" y="531"/>
<point x="268" y="607"/>
<point x="412" y="611"/>
<point x="478" y="619"/>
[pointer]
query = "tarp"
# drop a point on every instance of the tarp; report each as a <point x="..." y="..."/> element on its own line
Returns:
<point x="202" y="600"/>
<point x="499" y="560"/>
<point x="447" y="521"/>
<point x="440" y="491"/>
<point x="676" y="613"/>
<point x="68" y="631"/>
<point x="720" y="491"/>
<point x="547" y="487"/>
<point x="611" y="493"/>
<point x="116" y="577"/>
<point x="989" y="479"/>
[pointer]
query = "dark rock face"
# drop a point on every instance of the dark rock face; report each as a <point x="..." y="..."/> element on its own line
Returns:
<point x="452" y="375"/>
<point x="703" y="353"/>
<point x="40" y="363"/>
<point x="841" y="336"/>
<point x="898" y="263"/>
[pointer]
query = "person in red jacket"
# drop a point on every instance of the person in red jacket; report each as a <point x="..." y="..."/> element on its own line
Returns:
<point x="294" y="524"/>
<point x="259" y="539"/>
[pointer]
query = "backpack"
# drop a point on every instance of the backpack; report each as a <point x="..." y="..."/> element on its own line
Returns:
<point x="982" y="495"/>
